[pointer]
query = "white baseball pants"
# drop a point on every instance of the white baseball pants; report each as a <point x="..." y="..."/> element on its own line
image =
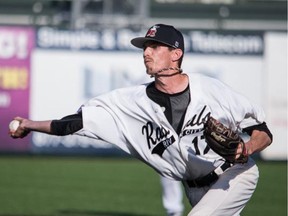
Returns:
<point x="228" y="195"/>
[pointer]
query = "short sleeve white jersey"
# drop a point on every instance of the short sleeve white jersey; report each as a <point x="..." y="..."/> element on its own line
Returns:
<point x="129" y="119"/>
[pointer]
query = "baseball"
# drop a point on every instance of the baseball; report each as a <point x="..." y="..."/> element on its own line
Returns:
<point x="14" y="125"/>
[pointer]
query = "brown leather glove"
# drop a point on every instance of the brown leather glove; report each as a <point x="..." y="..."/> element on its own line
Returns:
<point x="224" y="141"/>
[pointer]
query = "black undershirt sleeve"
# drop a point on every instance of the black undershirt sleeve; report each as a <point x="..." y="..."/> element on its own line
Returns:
<point x="261" y="127"/>
<point x="67" y="125"/>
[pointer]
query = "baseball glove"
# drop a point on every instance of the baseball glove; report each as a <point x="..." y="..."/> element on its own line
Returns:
<point x="224" y="141"/>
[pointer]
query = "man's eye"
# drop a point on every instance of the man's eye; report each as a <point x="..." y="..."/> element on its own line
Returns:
<point x="152" y="46"/>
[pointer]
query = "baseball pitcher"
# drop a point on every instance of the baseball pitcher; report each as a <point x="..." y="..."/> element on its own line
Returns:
<point x="186" y="127"/>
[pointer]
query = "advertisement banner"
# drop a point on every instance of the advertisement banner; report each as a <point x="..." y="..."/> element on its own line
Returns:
<point x="16" y="44"/>
<point x="201" y="42"/>
<point x="70" y="67"/>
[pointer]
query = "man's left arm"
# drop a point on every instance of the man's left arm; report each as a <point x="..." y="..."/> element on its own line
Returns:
<point x="260" y="138"/>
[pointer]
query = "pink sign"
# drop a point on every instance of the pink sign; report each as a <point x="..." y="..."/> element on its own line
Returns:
<point x="16" y="44"/>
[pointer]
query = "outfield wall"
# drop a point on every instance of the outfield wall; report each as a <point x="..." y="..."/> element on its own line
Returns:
<point x="66" y="68"/>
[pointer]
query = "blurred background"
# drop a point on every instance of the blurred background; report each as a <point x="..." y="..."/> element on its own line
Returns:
<point x="56" y="54"/>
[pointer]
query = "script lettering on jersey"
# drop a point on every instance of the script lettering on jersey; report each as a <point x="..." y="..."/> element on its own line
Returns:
<point x="197" y="120"/>
<point x="158" y="137"/>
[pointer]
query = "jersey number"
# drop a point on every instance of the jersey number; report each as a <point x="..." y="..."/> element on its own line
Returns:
<point x="195" y="143"/>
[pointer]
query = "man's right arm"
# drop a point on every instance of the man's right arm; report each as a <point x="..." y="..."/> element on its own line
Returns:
<point x="65" y="126"/>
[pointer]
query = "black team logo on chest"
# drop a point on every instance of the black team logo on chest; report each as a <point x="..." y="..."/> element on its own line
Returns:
<point x="157" y="137"/>
<point x="198" y="121"/>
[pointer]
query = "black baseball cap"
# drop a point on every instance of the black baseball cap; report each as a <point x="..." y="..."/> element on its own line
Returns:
<point x="161" y="33"/>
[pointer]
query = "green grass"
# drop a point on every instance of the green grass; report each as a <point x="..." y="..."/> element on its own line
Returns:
<point x="55" y="186"/>
<point x="270" y="197"/>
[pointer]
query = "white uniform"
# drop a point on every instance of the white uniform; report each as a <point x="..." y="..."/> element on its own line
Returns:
<point x="129" y="119"/>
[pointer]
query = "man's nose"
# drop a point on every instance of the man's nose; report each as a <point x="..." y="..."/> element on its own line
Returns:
<point x="146" y="51"/>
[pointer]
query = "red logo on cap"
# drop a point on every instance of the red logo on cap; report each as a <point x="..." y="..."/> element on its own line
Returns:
<point x="152" y="31"/>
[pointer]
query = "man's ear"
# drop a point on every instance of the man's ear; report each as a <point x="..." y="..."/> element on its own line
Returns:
<point x="177" y="54"/>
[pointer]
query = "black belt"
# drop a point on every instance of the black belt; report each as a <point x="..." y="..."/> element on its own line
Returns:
<point x="209" y="178"/>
